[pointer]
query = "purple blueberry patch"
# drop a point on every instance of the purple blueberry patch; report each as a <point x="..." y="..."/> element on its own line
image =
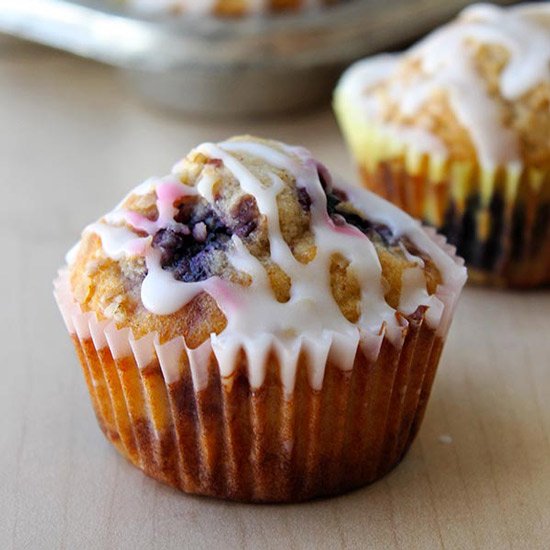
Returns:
<point x="189" y="249"/>
<point x="380" y="231"/>
<point x="304" y="199"/>
<point x="192" y="247"/>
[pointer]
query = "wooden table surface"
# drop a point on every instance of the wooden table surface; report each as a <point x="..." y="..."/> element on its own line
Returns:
<point x="74" y="139"/>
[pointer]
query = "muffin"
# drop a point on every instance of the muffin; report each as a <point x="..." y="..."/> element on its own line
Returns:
<point x="456" y="132"/>
<point x="227" y="8"/>
<point x="249" y="330"/>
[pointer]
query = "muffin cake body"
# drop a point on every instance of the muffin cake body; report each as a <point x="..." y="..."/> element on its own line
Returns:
<point x="227" y="8"/>
<point x="251" y="331"/>
<point x="457" y="132"/>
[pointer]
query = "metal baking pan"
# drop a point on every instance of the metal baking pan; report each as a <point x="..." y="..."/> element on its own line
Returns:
<point x="214" y="66"/>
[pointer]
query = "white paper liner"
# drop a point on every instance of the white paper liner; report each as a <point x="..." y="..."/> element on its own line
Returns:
<point x="177" y="427"/>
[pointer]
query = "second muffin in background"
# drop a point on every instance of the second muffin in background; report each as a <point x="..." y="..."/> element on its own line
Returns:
<point x="457" y="132"/>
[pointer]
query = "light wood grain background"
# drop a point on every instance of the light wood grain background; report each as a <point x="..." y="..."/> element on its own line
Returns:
<point x="73" y="140"/>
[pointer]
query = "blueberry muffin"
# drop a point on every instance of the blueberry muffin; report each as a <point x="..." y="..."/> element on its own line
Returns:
<point x="250" y="330"/>
<point x="456" y="131"/>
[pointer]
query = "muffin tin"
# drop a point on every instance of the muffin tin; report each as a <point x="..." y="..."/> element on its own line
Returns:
<point x="212" y="66"/>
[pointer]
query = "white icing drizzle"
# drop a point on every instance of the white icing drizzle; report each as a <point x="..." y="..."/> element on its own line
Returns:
<point x="446" y="64"/>
<point x="311" y="317"/>
<point x="71" y="255"/>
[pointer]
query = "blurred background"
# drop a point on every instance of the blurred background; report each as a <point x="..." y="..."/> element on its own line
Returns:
<point x="227" y="57"/>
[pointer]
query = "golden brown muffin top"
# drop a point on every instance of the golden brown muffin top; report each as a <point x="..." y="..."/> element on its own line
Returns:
<point x="251" y="237"/>
<point x="477" y="89"/>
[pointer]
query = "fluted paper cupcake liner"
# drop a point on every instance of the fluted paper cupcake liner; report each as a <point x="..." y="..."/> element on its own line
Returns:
<point x="499" y="219"/>
<point x="197" y="420"/>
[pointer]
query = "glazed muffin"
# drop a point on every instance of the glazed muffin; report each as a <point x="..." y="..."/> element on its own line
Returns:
<point x="456" y="131"/>
<point x="252" y="331"/>
<point x="227" y="8"/>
